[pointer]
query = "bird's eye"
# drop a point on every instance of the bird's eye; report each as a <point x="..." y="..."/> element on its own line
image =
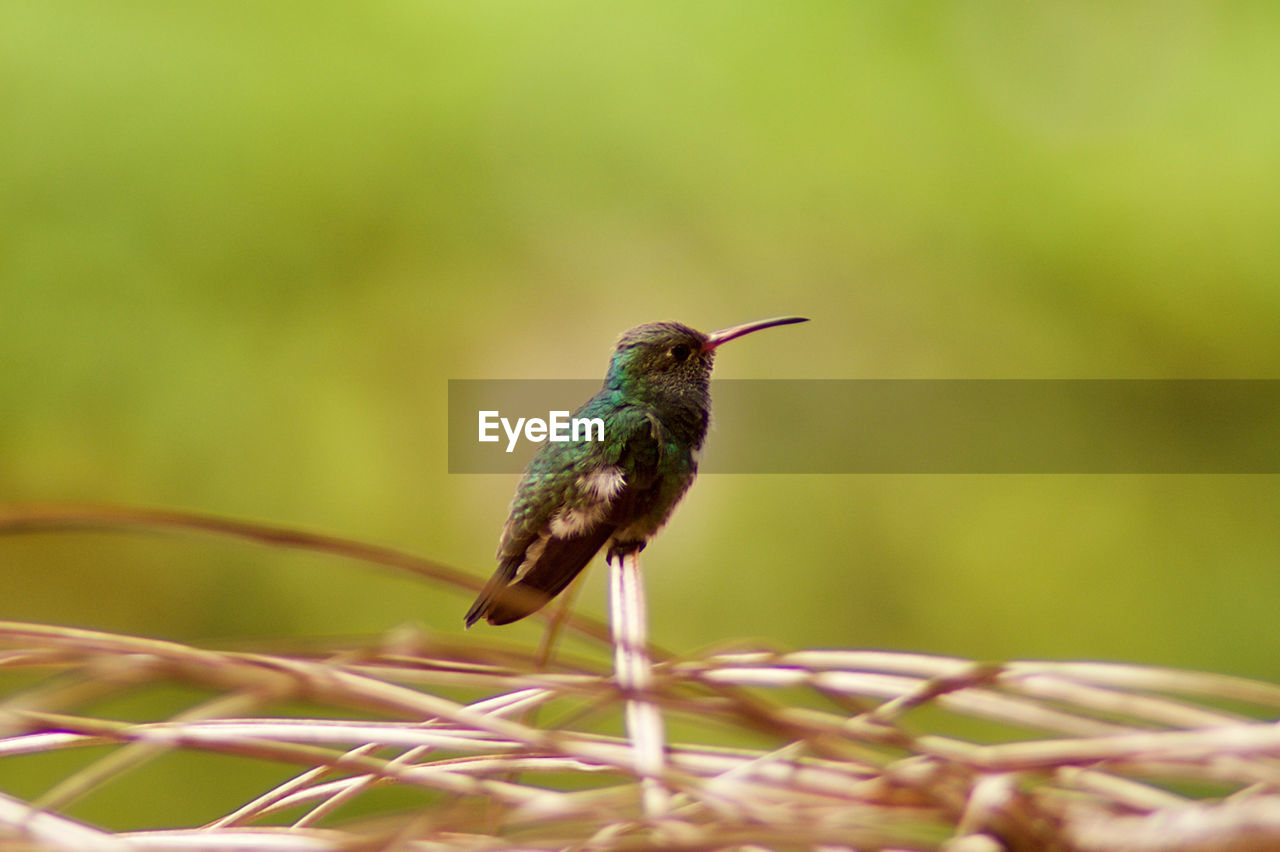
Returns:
<point x="681" y="352"/>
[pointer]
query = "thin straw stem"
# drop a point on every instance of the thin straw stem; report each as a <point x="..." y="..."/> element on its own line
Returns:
<point x="628" y="623"/>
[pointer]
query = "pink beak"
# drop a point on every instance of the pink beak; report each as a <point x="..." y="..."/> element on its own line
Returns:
<point x="724" y="335"/>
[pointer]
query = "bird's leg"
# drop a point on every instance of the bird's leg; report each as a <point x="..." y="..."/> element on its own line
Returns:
<point x="628" y="623"/>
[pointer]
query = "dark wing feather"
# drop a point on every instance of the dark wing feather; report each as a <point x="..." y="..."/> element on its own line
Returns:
<point x="562" y="559"/>
<point x="550" y="556"/>
<point x="487" y="598"/>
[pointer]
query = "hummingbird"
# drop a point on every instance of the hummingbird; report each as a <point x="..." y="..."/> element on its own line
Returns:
<point x="577" y="497"/>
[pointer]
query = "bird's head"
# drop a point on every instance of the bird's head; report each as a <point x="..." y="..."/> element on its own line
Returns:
<point x="662" y="361"/>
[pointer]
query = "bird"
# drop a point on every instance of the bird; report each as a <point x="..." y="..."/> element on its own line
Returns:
<point x="576" y="498"/>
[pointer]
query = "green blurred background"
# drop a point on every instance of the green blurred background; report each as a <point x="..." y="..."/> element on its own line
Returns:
<point x="244" y="246"/>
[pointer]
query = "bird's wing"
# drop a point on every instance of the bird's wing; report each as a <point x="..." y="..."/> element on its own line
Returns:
<point x="562" y="515"/>
<point x="556" y="563"/>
